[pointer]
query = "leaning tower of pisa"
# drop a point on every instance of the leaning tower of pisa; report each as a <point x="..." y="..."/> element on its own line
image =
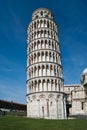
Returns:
<point x="45" y="97"/>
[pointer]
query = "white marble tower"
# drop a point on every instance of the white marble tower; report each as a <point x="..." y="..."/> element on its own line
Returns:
<point x="45" y="96"/>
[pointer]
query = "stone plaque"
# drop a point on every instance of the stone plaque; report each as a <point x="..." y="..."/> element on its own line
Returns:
<point x="50" y="95"/>
<point x="42" y="96"/>
<point x="34" y="96"/>
<point x="59" y="95"/>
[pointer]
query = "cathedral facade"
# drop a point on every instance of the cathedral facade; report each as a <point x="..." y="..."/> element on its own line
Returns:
<point x="77" y="96"/>
<point x="47" y="96"/>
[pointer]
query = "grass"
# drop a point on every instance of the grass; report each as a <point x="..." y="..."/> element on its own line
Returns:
<point x="23" y="123"/>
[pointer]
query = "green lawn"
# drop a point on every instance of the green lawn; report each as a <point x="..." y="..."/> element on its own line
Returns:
<point x="23" y="123"/>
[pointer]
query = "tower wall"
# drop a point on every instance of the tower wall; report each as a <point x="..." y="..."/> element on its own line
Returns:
<point x="45" y="97"/>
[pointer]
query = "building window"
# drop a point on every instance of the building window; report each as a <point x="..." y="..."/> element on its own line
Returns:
<point x="82" y="105"/>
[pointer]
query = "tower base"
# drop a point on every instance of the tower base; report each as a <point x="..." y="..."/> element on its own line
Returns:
<point x="49" y="105"/>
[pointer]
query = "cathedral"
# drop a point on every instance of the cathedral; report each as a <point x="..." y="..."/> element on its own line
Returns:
<point x="47" y="96"/>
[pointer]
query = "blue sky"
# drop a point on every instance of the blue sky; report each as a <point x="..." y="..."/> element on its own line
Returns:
<point x="15" y="15"/>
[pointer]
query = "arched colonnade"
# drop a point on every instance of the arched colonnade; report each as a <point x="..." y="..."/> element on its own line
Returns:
<point x="39" y="70"/>
<point x="44" y="85"/>
<point x="43" y="44"/>
<point x="43" y="56"/>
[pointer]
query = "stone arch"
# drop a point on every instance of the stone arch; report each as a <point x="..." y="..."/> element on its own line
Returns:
<point x="53" y="57"/>
<point x="43" y="86"/>
<point x="41" y="23"/>
<point x="32" y="72"/>
<point x="34" y="45"/>
<point x="38" y="44"/>
<point x="29" y="49"/>
<point x="42" y="33"/>
<point x="59" y="86"/>
<point x="45" y="33"/>
<point x="30" y="88"/>
<point x="52" y="45"/>
<point x="29" y="73"/>
<point x="46" y="56"/>
<point x="34" y="85"/>
<point x="46" y="45"/>
<point x="51" y="69"/>
<point x="49" y="55"/>
<point x="55" y="84"/>
<point x="47" y="70"/>
<point x="39" y="82"/>
<point x="35" y="25"/>
<point x="48" y="24"/>
<point x="45" y="23"/>
<point x="55" y="70"/>
<point x="42" y="54"/>
<point x="52" y="25"/>
<point x="52" y="85"/>
<point x="57" y="47"/>
<point x="48" y="84"/>
<point x="32" y="25"/>
<point x="43" y="70"/>
<point x="36" y="71"/>
<point x="39" y="70"/>
<point x="56" y="59"/>
<point x="35" y="58"/>
<point x="48" y="33"/>
<point x="31" y="59"/>
<point x="35" y="35"/>
<point x="49" y="44"/>
<point x="42" y="44"/>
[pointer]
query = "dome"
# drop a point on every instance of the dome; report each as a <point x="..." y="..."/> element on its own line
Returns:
<point x="84" y="77"/>
<point x="84" y="71"/>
